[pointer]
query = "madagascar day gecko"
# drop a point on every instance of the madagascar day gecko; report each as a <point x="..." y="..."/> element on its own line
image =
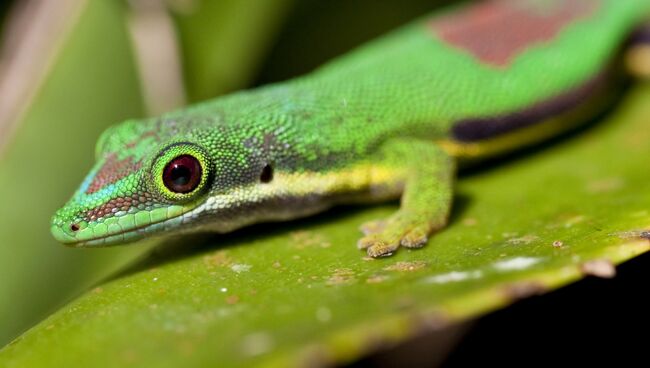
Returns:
<point x="388" y="120"/>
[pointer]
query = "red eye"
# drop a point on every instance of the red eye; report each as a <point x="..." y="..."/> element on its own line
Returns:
<point x="182" y="174"/>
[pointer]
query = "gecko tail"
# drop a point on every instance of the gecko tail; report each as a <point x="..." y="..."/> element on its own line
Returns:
<point x="637" y="56"/>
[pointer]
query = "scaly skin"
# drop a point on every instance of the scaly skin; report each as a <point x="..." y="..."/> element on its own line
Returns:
<point x="386" y="120"/>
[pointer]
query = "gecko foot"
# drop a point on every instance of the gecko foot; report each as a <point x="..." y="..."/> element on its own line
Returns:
<point x="382" y="238"/>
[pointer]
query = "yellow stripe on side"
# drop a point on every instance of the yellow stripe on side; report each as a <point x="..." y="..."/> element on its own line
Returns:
<point x="361" y="182"/>
<point x="356" y="179"/>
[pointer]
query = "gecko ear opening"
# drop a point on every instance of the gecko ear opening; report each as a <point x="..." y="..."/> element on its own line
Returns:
<point x="266" y="176"/>
<point x="181" y="172"/>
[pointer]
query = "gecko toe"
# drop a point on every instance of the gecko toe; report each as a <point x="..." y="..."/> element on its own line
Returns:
<point x="416" y="237"/>
<point x="382" y="249"/>
<point x="383" y="237"/>
<point x="378" y="246"/>
<point x="414" y="240"/>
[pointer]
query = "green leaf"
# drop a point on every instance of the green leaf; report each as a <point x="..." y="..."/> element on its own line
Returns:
<point x="301" y="293"/>
<point x="224" y="41"/>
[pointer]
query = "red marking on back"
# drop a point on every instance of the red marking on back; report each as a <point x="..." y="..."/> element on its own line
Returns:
<point x="112" y="171"/>
<point x="496" y="31"/>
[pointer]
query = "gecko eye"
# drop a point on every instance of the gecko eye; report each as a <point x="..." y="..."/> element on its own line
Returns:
<point x="182" y="174"/>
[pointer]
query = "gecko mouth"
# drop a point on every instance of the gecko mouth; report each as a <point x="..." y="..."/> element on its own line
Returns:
<point x="120" y="230"/>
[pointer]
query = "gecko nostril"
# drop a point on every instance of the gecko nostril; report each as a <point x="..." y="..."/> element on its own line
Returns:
<point x="74" y="227"/>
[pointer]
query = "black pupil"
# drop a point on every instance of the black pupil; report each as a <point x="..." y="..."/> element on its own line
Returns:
<point x="182" y="174"/>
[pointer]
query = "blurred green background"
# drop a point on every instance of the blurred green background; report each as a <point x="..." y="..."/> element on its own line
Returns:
<point x="69" y="69"/>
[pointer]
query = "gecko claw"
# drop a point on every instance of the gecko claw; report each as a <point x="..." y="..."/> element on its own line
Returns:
<point x="415" y="238"/>
<point x="402" y="229"/>
<point x="382" y="250"/>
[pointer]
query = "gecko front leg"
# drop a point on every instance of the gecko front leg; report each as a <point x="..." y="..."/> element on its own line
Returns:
<point x="425" y="202"/>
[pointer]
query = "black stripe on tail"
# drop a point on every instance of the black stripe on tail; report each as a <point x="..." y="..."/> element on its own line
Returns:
<point x="477" y="129"/>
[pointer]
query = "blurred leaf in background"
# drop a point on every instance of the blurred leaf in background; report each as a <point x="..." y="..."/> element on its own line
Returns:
<point x="4" y="7"/>
<point x="319" y="30"/>
<point x="67" y="74"/>
<point x="226" y="57"/>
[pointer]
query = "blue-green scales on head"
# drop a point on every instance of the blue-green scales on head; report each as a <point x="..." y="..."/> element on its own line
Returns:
<point x="118" y="199"/>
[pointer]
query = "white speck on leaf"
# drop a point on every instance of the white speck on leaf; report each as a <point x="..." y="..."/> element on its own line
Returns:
<point x="523" y="240"/>
<point x="517" y="263"/>
<point x="239" y="268"/>
<point x="453" y="276"/>
<point x="223" y="289"/>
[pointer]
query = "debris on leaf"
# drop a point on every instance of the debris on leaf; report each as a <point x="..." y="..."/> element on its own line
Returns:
<point x="600" y="268"/>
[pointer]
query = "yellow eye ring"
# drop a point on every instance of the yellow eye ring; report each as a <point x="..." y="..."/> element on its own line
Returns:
<point x="181" y="171"/>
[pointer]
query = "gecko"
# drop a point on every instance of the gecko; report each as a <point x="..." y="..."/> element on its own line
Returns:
<point x="390" y="120"/>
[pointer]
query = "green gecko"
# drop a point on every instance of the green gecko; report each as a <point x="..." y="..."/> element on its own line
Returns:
<point x="391" y="119"/>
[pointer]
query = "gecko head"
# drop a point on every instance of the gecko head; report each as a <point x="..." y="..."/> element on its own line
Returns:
<point x="148" y="178"/>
